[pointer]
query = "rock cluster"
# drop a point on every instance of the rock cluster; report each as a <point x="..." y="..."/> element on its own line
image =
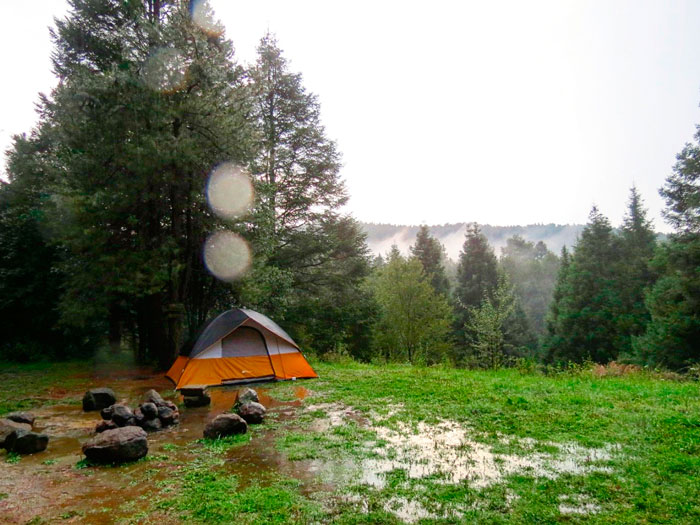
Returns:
<point x="16" y="434"/>
<point x="248" y="406"/>
<point x="153" y="414"/>
<point x="249" y="412"/>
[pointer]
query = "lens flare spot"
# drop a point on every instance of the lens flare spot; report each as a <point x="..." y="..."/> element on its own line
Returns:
<point x="203" y="17"/>
<point x="230" y="191"/>
<point x="226" y="255"/>
<point x="165" y="70"/>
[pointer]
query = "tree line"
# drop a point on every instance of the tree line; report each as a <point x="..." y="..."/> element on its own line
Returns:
<point x="104" y="219"/>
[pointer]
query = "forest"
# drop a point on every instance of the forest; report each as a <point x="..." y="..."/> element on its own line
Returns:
<point x="105" y="225"/>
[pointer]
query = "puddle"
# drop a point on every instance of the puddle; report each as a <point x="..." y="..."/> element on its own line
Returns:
<point x="577" y="504"/>
<point x="49" y="485"/>
<point x="449" y="453"/>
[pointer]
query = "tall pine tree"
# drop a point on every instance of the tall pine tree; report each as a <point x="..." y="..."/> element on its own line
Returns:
<point x="431" y="253"/>
<point x="672" y="335"/>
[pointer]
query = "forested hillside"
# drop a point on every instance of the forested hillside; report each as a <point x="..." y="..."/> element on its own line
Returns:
<point x="380" y="237"/>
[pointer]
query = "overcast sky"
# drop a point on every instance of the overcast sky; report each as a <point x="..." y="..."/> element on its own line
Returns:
<point x="497" y="112"/>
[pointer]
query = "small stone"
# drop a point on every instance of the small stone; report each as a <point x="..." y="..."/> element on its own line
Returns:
<point x="252" y="412"/>
<point x="247" y="395"/>
<point x="21" y="417"/>
<point x="7" y="427"/>
<point x="26" y="442"/>
<point x="121" y="414"/>
<point x="149" y="410"/>
<point x="225" y="425"/>
<point x="168" y="416"/>
<point x="106" y="413"/>
<point x="152" y="425"/>
<point x="98" y="398"/>
<point x="105" y="425"/>
<point x="154" y="397"/>
<point x="117" y="445"/>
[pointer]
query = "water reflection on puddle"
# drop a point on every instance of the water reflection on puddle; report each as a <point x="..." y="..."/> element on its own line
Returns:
<point x="448" y="453"/>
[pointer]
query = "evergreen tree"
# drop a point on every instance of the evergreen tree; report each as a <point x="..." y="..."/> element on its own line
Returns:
<point x="430" y="253"/>
<point x="477" y="279"/>
<point x="583" y="322"/>
<point x="672" y="336"/>
<point x="147" y="105"/>
<point x="311" y="259"/>
<point x="638" y="242"/>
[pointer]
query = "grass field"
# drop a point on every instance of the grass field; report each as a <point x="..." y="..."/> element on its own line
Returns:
<point x="386" y="444"/>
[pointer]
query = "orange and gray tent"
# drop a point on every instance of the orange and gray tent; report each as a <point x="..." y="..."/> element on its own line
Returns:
<point x="238" y="346"/>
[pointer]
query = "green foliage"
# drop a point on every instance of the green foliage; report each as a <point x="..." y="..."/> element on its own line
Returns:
<point x="414" y="320"/>
<point x="487" y="324"/>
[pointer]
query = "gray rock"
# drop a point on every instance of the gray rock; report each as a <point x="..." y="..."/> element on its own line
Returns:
<point x="252" y="412"/>
<point x="26" y="442"/>
<point x="152" y="425"/>
<point x="121" y="414"/>
<point x="149" y="410"/>
<point x="168" y="416"/>
<point x="225" y="425"/>
<point x="139" y="418"/>
<point x="98" y="398"/>
<point x="197" y="401"/>
<point x="21" y="417"/>
<point x="117" y="445"/>
<point x="247" y="395"/>
<point x="153" y="397"/>
<point x="7" y="427"/>
<point x="105" y="425"/>
<point x="106" y="413"/>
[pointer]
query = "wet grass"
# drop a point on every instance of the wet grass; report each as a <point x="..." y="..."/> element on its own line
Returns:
<point x="653" y="420"/>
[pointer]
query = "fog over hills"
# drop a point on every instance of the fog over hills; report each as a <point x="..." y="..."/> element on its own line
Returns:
<point x="380" y="237"/>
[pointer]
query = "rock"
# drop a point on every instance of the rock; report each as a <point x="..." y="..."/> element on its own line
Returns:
<point x="7" y="427"/>
<point x="198" y="401"/>
<point x="168" y="416"/>
<point x="106" y="413"/>
<point x="121" y="414"/>
<point x="152" y="425"/>
<point x="171" y="406"/>
<point x="252" y="412"/>
<point x="117" y="445"/>
<point x="21" y="417"/>
<point x="98" y="398"/>
<point x="247" y="395"/>
<point x="26" y="442"/>
<point x="105" y="425"/>
<point x="149" y="410"/>
<point x="154" y="397"/>
<point x="225" y="425"/>
<point x="139" y="418"/>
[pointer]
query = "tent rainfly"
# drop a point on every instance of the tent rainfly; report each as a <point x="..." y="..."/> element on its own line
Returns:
<point x="238" y="346"/>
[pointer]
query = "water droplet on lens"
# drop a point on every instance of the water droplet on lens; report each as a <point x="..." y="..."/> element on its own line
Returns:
<point x="230" y="191"/>
<point x="226" y="255"/>
<point x="203" y="16"/>
<point x="165" y="70"/>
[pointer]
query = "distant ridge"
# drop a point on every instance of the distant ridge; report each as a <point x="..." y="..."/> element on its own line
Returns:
<point x="380" y="237"/>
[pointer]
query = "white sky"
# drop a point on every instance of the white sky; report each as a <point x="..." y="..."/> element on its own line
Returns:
<point x="496" y="112"/>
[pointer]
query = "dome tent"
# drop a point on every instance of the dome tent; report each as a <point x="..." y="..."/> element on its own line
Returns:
<point x="240" y="345"/>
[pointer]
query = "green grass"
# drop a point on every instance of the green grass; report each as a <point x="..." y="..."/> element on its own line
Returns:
<point x="653" y="419"/>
